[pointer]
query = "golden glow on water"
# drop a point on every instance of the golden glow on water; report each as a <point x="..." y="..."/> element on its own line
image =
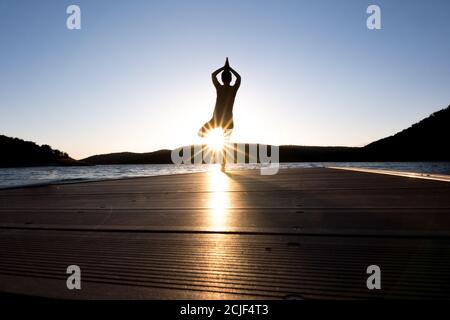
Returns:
<point x="219" y="201"/>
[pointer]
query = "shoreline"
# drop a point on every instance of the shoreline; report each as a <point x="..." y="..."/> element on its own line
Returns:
<point x="405" y="174"/>
<point x="283" y="166"/>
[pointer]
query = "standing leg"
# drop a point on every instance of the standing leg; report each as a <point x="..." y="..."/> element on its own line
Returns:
<point x="224" y="159"/>
<point x="226" y="135"/>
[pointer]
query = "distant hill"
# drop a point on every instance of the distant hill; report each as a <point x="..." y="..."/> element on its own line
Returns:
<point x="319" y="154"/>
<point x="287" y="154"/>
<point x="19" y="153"/>
<point x="423" y="141"/>
<point x="156" y="157"/>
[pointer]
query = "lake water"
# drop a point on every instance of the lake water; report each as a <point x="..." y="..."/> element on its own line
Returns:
<point x="14" y="177"/>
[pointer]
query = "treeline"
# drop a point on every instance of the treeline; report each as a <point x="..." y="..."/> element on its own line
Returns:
<point x="17" y="152"/>
<point x="157" y="157"/>
<point x="423" y="141"/>
<point x="286" y="154"/>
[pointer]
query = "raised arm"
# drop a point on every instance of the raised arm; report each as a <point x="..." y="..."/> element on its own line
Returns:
<point x="214" y="76"/>
<point x="238" y="78"/>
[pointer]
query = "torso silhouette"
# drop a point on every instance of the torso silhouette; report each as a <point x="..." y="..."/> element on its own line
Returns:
<point x="226" y="93"/>
<point x="223" y="111"/>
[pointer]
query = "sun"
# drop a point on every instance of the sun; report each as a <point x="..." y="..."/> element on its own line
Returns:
<point x="215" y="139"/>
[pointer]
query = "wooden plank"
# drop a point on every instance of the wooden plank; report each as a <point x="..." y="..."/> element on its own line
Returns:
<point x="206" y="265"/>
<point x="309" y="233"/>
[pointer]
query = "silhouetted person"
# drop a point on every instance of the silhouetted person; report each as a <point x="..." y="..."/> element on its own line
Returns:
<point x="226" y="93"/>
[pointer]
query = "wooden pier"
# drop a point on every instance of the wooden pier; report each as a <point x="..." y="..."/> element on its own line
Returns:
<point x="299" y="234"/>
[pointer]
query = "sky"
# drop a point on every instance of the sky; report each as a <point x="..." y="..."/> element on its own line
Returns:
<point x="137" y="75"/>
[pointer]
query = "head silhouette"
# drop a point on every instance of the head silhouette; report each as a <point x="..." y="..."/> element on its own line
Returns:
<point x="226" y="76"/>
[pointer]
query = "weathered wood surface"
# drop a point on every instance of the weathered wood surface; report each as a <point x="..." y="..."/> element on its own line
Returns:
<point x="303" y="233"/>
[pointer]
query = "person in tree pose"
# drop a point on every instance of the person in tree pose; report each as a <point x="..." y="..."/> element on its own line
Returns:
<point x="226" y="93"/>
<point x="223" y="111"/>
